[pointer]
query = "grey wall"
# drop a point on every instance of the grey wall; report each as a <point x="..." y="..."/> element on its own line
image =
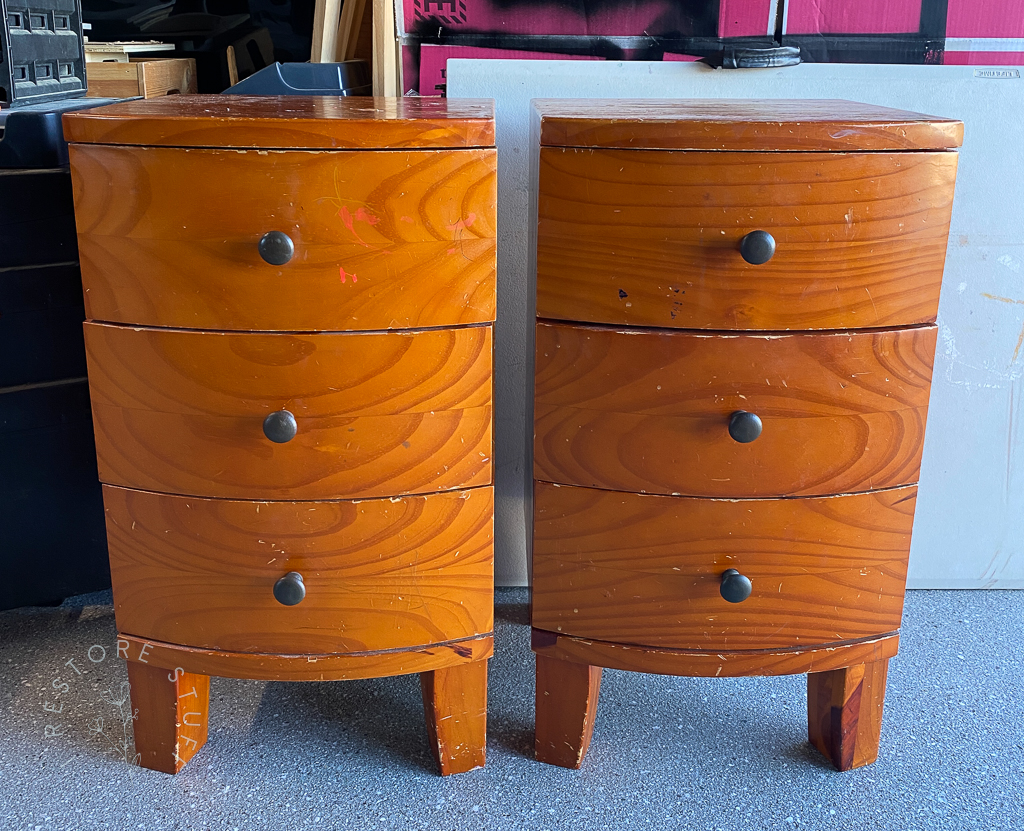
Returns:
<point x="968" y="531"/>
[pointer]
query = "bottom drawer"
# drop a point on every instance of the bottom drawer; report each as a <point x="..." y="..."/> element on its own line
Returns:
<point x="646" y="570"/>
<point x="378" y="574"/>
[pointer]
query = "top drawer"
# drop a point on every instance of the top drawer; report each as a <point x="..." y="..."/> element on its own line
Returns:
<point x="652" y="237"/>
<point x="383" y="239"/>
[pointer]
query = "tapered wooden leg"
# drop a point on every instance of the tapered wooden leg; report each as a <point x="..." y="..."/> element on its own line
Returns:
<point x="844" y="713"/>
<point x="172" y="715"/>
<point x="455" y="705"/>
<point x="566" y="708"/>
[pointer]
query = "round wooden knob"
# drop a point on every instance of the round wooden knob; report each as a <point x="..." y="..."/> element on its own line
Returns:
<point x="744" y="427"/>
<point x="280" y="426"/>
<point x="757" y="247"/>
<point x="276" y="247"/>
<point x="735" y="587"/>
<point x="290" y="590"/>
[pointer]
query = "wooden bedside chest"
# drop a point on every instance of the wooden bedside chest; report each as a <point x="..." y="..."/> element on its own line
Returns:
<point x="290" y="306"/>
<point x="736" y="305"/>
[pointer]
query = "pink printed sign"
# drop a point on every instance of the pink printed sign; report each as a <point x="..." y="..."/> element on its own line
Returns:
<point x="741" y="18"/>
<point x="985" y="19"/>
<point x="841" y="17"/>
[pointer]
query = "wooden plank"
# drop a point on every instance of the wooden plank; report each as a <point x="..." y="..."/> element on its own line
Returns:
<point x="741" y="124"/>
<point x="384" y="574"/>
<point x="649" y="411"/>
<point x="713" y="664"/>
<point x="295" y="121"/>
<point x="652" y="238"/>
<point x="376" y="414"/>
<point x="382" y="240"/>
<point x="646" y="570"/>
<point x="351" y="22"/>
<point x="336" y="667"/>
<point x="325" y="30"/>
<point x="387" y="53"/>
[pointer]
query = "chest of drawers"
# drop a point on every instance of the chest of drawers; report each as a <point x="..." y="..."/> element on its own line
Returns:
<point x="736" y="305"/>
<point x="289" y="339"/>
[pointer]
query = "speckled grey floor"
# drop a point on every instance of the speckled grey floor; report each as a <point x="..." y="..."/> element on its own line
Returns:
<point x="667" y="753"/>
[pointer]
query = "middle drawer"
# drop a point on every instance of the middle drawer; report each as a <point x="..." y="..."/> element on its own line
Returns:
<point x="649" y="410"/>
<point x="375" y="414"/>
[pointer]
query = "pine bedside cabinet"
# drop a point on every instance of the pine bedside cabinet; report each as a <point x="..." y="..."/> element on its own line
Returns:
<point x="290" y="306"/>
<point x="736" y="305"/>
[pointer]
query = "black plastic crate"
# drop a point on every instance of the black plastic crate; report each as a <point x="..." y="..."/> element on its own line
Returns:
<point x="41" y="53"/>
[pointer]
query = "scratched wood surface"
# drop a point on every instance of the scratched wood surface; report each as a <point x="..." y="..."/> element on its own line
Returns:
<point x="844" y="713"/>
<point x="382" y="240"/>
<point x="712" y="664"/>
<point x="646" y="570"/>
<point x="651" y="238"/>
<point x="379" y="574"/>
<point x="649" y="410"/>
<point x="378" y="414"/>
<point x="313" y="667"/>
<point x="740" y="124"/>
<point x="172" y="715"/>
<point x="455" y="709"/>
<point x="287" y="121"/>
<point x="566" y="709"/>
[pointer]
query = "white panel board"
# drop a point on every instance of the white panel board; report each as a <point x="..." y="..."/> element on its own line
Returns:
<point x="969" y="529"/>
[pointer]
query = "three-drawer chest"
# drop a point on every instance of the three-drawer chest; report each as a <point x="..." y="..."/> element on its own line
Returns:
<point x="289" y="341"/>
<point x="736" y="304"/>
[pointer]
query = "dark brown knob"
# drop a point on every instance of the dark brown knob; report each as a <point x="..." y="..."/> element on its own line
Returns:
<point x="280" y="427"/>
<point x="744" y="427"/>
<point x="290" y="590"/>
<point x="735" y="587"/>
<point x="276" y="247"/>
<point x="757" y="247"/>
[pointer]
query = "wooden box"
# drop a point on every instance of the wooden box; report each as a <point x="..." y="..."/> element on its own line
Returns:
<point x="141" y="77"/>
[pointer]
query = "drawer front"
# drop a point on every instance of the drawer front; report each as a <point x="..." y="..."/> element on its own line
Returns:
<point x="640" y="569"/>
<point x="652" y="238"/>
<point x="376" y="414"/>
<point x="378" y="574"/>
<point x="382" y="240"/>
<point x="650" y="411"/>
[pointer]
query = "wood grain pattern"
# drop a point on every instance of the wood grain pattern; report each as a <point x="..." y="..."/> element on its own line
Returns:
<point x="741" y="124"/>
<point x="379" y="574"/>
<point x="172" y="715"/>
<point x="645" y="570"/>
<point x="315" y="667"/>
<point x="455" y="707"/>
<point x="378" y="414"/>
<point x="844" y="713"/>
<point x="382" y="240"/>
<point x="651" y="238"/>
<point x="713" y="664"/>
<point x="649" y="411"/>
<point x="566" y="707"/>
<point x="269" y="121"/>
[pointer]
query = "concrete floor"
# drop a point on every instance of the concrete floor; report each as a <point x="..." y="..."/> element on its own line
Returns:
<point x="668" y="753"/>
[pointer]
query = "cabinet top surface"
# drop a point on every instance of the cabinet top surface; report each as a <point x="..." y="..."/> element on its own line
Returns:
<point x="288" y="122"/>
<point x="740" y="124"/>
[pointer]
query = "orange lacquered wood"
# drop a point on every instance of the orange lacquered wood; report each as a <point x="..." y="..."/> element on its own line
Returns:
<point x="312" y="667"/>
<point x="651" y="238"/>
<point x="171" y="715"/>
<point x="649" y="411"/>
<point x="844" y="713"/>
<point x="741" y="124"/>
<point x="379" y="574"/>
<point x="300" y="121"/>
<point x="378" y="414"/>
<point x="455" y="708"/>
<point x="646" y="570"/>
<point x="713" y="664"/>
<point x="566" y="708"/>
<point x="382" y="240"/>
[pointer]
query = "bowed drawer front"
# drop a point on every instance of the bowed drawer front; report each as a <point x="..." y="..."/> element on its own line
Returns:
<point x="734" y="346"/>
<point x="290" y="343"/>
